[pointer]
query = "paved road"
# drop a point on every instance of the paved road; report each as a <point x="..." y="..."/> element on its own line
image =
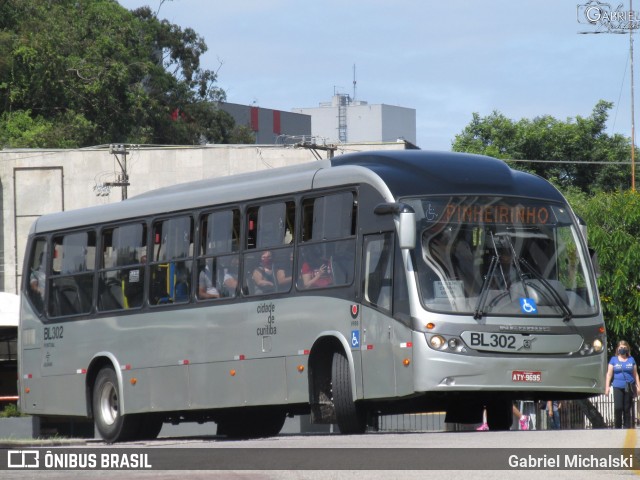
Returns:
<point x="462" y="445"/>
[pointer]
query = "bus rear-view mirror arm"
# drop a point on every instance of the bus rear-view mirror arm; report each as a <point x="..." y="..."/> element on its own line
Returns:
<point x="405" y="220"/>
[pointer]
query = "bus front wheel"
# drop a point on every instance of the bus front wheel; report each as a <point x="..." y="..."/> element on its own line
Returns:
<point x="111" y="424"/>
<point x="350" y="417"/>
<point x="149" y="426"/>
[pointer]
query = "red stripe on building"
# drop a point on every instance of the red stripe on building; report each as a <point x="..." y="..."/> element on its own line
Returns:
<point x="254" y="119"/>
<point x="276" y="122"/>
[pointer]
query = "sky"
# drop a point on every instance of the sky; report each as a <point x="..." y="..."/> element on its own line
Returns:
<point x="446" y="59"/>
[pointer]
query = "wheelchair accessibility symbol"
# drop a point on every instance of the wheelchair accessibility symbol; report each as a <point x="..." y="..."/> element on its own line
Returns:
<point x="431" y="213"/>
<point x="528" y="305"/>
<point x="355" y="338"/>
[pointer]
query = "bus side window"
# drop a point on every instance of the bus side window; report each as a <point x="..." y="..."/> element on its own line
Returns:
<point x="401" y="307"/>
<point x="329" y="217"/>
<point x="218" y="260"/>
<point x="37" y="274"/>
<point x="378" y="282"/>
<point x="327" y="253"/>
<point x="121" y="277"/>
<point x="71" y="292"/>
<point x="271" y="225"/>
<point x="171" y="266"/>
<point x="270" y="230"/>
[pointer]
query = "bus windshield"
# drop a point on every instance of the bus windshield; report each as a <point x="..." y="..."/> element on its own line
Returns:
<point x="501" y="256"/>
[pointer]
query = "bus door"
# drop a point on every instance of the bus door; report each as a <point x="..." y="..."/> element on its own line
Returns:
<point x="387" y="354"/>
<point x="378" y="332"/>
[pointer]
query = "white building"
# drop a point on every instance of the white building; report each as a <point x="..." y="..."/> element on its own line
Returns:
<point x="344" y="120"/>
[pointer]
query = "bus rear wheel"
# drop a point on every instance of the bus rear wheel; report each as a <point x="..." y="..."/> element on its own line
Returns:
<point x="111" y="424"/>
<point x="350" y="417"/>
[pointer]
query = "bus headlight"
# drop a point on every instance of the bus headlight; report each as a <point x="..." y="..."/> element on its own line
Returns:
<point x="437" y="342"/>
<point x="597" y="345"/>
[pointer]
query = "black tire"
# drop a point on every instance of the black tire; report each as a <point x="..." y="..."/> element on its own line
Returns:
<point x="111" y="424"/>
<point x="270" y="426"/>
<point x="500" y="414"/>
<point x="149" y="426"/>
<point x="350" y="417"/>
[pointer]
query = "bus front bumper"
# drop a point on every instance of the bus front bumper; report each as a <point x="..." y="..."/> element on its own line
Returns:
<point x="446" y="371"/>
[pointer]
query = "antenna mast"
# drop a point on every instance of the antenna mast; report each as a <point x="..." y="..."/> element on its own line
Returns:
<point x="354" y="82"/>
<point x="633" y="126"/>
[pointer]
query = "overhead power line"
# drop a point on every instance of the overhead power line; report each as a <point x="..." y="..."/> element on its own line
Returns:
<point x="578" y="162"/>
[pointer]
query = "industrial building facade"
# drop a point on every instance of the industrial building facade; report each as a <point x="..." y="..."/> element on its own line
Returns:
<point x="269" y="126"/>
<point x="340" y="121"/>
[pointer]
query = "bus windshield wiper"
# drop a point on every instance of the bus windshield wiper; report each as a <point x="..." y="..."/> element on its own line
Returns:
<point x="568" y="314"/>
<point x="515" y="261"/>
<point x="484" y="290"/>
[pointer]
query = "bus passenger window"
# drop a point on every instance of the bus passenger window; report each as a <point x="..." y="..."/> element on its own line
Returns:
<point x="283" y="268"/>
<point x="270" y="228"/>
<point x="72" y="290"/>
<point x="378" y="252"/>
<point x="326" y="264"/>
<point x="327" y="234"/>
<point x="329" y="217"/>
<point x="259" y="275"/>
<point x="171" y="265"/>
<point x="122" y="272"/>
<point x="268" y="271"/>
<point x="38" y="274"/>
<point x="217" y="263"/>
<point x="270" y="225"/>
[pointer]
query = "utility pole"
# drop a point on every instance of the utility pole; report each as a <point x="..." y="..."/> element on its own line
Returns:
<point x="122" y="179"/>
<point x="633" y="125"/>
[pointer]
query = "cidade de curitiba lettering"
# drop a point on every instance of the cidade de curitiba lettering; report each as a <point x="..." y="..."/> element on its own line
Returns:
<point x="270" y="325"/>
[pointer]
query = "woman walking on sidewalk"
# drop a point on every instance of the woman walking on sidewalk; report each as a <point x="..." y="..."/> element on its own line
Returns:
<point x="622" y="375"/>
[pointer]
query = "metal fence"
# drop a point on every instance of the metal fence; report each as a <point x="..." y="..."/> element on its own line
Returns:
<point x="572" y="416"/>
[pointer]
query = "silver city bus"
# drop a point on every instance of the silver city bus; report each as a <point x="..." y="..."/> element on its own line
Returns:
<point x="372" y="283"/>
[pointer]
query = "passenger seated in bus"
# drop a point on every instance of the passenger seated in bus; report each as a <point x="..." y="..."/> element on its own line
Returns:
<point x="316" y="274"/>
<point x="134" y="284"/>
<point x="230" y="279"/>
<point x="206" y="289"/>
<point x="284" y="273"/>
<point x="181" y="288"/>
<point x="37" y="281"/>
<point x="263" y="275"/>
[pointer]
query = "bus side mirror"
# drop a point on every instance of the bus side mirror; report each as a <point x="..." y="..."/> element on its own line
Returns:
<point x="406" y="226"/>
<point x="405" y="220"/>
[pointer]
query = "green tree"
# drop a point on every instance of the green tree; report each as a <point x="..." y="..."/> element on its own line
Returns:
<point x="242" y="134"/>
<point x="613" y="221"/>
<point x="564" y="147"/>
<point x="91" y="72"/>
